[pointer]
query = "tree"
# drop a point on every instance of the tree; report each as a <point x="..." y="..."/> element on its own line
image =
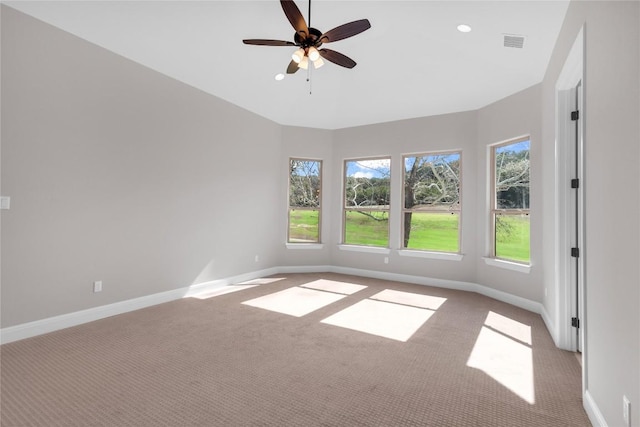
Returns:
<point x="432" y="180"/>
<point x="304" y="183"/>
<point x="370" y="189"/>
<point x="512" y="182"/>
<point x="512" y="179"/>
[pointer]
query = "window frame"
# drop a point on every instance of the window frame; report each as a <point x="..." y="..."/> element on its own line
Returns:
<point x="346" y="209"/>
<point x="304" y="208"/>
<point x="494" y="211"/>
<point x="404" y="209"/>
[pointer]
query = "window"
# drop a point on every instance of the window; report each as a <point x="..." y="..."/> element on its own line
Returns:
<point x="432" y="202"/>
<point x="510" y="201"/>
<point x="305" y="182"/>
<point x="366" y="202"/>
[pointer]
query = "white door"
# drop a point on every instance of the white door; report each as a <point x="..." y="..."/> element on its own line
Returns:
<point x="576" y="216"/>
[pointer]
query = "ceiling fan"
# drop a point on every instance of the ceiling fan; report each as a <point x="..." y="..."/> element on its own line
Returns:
<point x="309" y="39"/>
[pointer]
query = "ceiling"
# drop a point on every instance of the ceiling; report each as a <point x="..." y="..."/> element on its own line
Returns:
<point x="413" y="62"/>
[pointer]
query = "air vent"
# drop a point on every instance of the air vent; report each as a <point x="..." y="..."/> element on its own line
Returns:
<point x="513" y="41"/>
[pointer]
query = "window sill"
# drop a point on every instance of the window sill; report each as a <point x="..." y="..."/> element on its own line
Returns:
<point x="431" y="255"/>
<point x="369" y="249"/>
<point x="514" y="266"/>
<point x="304" y="246"/>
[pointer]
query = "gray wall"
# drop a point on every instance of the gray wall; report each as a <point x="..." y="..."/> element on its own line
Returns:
<point x="446" y="132"/>
<point x="118" y="173"/>
<point x="612" y="251"/>
<point x="514" y="116"/>
<point x="315" y="144"/>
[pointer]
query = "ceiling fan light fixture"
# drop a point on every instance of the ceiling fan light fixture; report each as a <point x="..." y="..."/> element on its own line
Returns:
<point x="307" y="40"/>
<point x="313" y="54"/>
<point x="298" y="55"/>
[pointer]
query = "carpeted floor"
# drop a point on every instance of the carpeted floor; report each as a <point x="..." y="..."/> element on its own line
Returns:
<point x="304" y="350"/>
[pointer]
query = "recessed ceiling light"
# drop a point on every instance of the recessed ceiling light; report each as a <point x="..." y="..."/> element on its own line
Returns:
<point x="463" y="28"/>
<point x="279" y="76"/>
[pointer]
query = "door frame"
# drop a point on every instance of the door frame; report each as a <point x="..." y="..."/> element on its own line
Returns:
<point x="566" y="222"/>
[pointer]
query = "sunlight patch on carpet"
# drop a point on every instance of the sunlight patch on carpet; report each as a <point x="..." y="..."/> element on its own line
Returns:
<point x="503" y="358"/>
<point x="221" y="291"/>
<point x="509" y="327"/>
<point x="295" y="301"/>
<point x="333" y="286"/>
<point x="385" y="319"/>
<point x="409" y="298"/>
<point x="262" y="281"/>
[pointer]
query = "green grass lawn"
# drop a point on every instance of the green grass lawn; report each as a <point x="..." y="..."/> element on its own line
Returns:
<point x="429" y="231"/>
<point x="303" y="226"/>
<point x="364" y="230"/>
<point x="434" y="232"/>
<point x="513" y="237"/>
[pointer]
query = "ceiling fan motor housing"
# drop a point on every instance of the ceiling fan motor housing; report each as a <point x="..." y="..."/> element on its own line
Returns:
<point x="310" y="40"/>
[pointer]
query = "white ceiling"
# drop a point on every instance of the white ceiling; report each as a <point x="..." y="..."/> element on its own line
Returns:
<point x="411" y="63"/>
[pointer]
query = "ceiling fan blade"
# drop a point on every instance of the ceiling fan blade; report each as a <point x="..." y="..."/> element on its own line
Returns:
<point x="295" y="17"/>
<point x="266" y="42"/>
<point x="292" y="68"/>
<point x="337" y="58"/>
<point x="345" y="30"/>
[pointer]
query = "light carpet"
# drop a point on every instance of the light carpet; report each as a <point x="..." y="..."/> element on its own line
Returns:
<point x="449" y="358"/>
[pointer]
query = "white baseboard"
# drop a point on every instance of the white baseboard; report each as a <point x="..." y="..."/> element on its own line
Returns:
<point x="305" y="269"/>
<point x="214" y="284"/>
<point x="418" y="280"/>
<point x="551" y="327"/>
<point x="43" y="326"/>
<point x="529" y="305"/>
<point x="39" y="327"/>
<point x="593" y="412"/>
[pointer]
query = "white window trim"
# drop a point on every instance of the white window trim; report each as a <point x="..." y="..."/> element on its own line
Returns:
<point x="304" y="246"/>
<point x="318" y="208"/>
<point x="508" y="265"/>
<point x="362" y="248"/>
<point x="457" y="256"/>
<point x="448" y="256"/>
<point x="492" y="259"/>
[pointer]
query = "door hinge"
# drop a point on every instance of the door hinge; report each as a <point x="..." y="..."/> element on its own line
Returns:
<point x="575" y="115"/>
<point x="575" y="252"/>
<point x="575" y="183"/>
<point x="575" y="322"/>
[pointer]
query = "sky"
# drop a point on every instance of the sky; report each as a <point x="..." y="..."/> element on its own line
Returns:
<point x="371" y="168"/>
<point x="517" y="147"/>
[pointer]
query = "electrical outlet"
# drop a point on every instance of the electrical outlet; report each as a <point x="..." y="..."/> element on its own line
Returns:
<point x="257" y="258"/>
<point x="626" y="411"/>
<point x="97" y="286"/>
<point x="5" y="202"/>
<point x="386" y="260"/>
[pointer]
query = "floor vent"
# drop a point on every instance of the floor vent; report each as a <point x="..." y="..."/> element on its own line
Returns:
<point x="513" y="41"/>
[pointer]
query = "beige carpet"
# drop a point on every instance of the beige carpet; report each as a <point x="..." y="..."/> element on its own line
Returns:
<point x="351" y="352"/>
